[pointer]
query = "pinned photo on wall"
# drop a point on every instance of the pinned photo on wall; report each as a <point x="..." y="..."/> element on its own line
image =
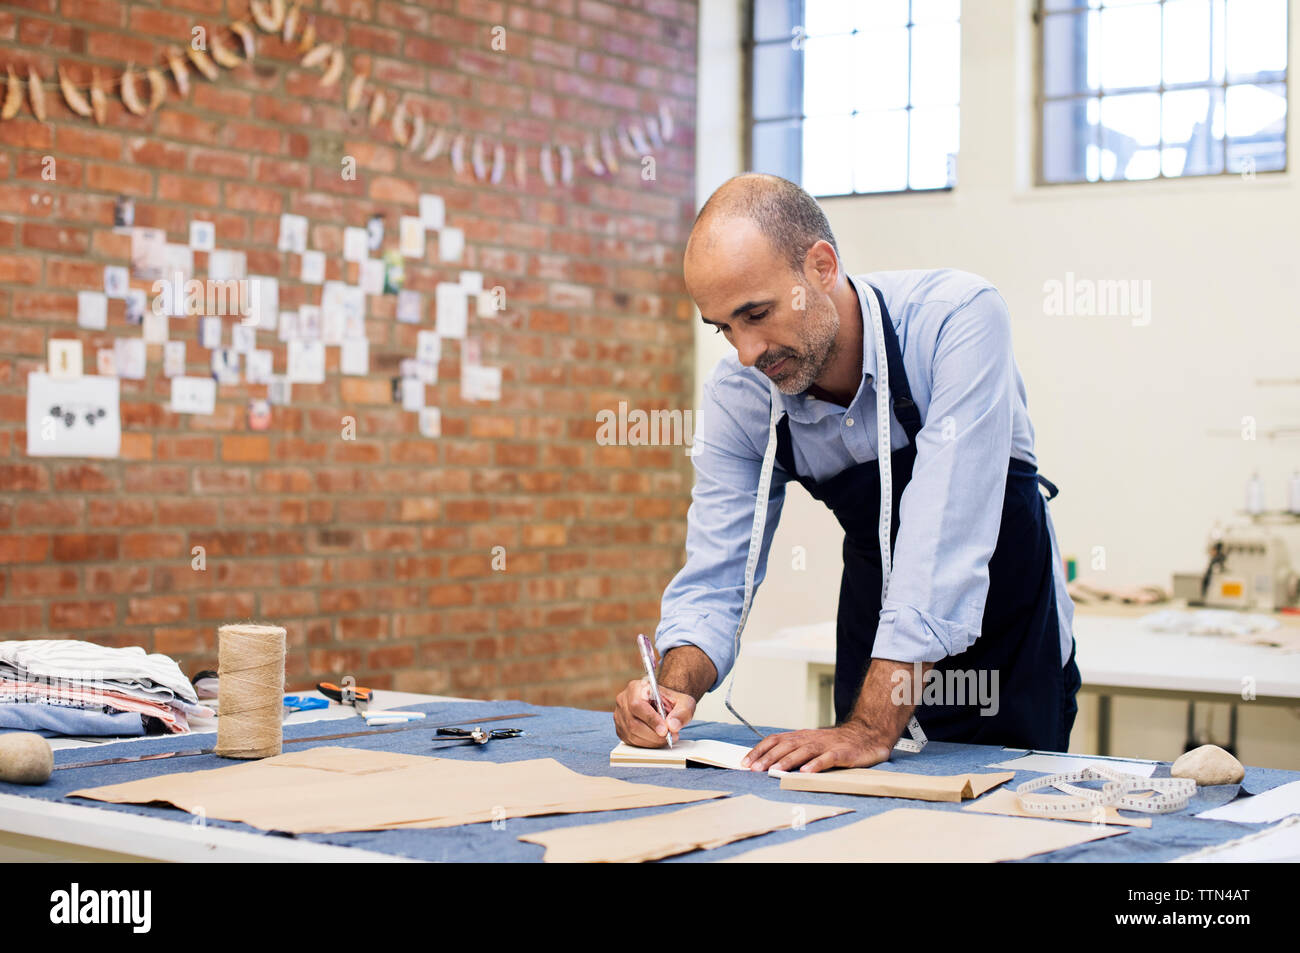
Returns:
<point x="428" y="347"/>
<point x="412" y="393"/>
<point x="471" y="281"/>
<point x="227" y="265"/>
<point x="278" y="390"/>
<point x="371" y="277"/>
<point x="313" y="267"/>
<point x="480" y="383"/>
<point x="148" y="255"/>
<point x="193" y="395"/>
<point x="309" y="322"/>
<point x="410" y="304"/>
<point x="451" y="306"/>
<point x="65" y="357"/>
<point x="433" y="212"/>
<point x="92" y="310"/>
<point x="354" y="357"/>
<point x="293" y="234"/>
<point x="356" y="244"/>
<point x="174" y="359"/>
<point x="203" y="236"/>
<point x="430" y="421"/>
<point x="225" y="366"/>
<point x="106" y="362"/>
<point x="258" y="366"/>
<point x="73" y="416"/>
<point x="259" y="414"/>
<point x="136" y="301"/>
<point x="411" y="236"/>
<point x="375" y="232"/>
<point x="243" y="338"/>
<point x="123" y="213"/>
<point x="156" y="327"/>
<point x="394" y="272"/>
<point x="115" y="281"/>
<point x="210" y="333"/>
<point x="306" y="363"/>
<point x="129" y="357"/>
<point x="451" y="244"/>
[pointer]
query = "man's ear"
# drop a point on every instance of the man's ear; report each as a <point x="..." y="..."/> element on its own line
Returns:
<point x="822" y="266"/>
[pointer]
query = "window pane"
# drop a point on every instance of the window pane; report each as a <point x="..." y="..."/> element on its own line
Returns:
<point x="1256" y="38"/>
<point x="876" y="13"/>
<point x="829" y="66"/>
<point x="775" y="19"/>
<point x="1187" y="41"/>
<point x="778" y="81"/>
<point x="936" y="64"/>
<point x="1130" y="46"/>
<point x="1070" y="62"/>
<point x="828" y="155"/>
<point x="933" y="153"/>
<point x="1130" y="136"/>
<point x="777" y="147"/>
<point x="1067" y="135"/>
<point x="1256" y="127"/>
<point x="880" y="152"/>
<point x="822" y="17"/>
<point x="932" y="11"/>
<point x="1192" y="128"/>
<point x="882" y="70"/>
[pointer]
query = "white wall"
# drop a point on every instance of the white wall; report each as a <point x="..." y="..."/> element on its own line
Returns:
<point x="1123" y="413"/>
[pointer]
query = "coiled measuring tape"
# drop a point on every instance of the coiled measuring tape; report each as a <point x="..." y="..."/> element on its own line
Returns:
<point x="917" y="741"/>
<point x="1131" y="792"/>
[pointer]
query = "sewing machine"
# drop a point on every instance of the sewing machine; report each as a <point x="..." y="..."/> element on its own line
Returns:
<point x="1250" y="566"/>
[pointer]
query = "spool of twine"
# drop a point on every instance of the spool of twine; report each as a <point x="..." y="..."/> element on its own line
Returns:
<point x="250" y="671"/>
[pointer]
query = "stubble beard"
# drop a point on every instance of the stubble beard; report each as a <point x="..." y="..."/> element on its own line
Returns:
<point x="817" y="348"/>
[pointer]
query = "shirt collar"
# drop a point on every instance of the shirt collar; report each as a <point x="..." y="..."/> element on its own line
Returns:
<point x="804" y="408"/>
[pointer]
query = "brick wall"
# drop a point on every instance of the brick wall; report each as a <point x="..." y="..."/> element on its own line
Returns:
<point x="374" y="553"/>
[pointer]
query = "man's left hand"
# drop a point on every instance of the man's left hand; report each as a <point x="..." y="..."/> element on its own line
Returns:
<point x="850" y="745"/>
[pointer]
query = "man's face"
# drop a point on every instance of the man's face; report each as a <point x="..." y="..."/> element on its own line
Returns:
<point x="777" y="320"/>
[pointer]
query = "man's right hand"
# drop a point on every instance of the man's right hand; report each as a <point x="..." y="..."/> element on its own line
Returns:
<point x="639" y="724"/>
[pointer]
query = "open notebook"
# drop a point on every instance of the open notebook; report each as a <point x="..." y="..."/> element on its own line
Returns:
<point x="714" y="754"/>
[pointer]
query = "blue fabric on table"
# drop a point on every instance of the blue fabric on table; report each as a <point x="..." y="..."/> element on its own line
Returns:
<point x="582" y="740"/>
<point x="58" y="720"/>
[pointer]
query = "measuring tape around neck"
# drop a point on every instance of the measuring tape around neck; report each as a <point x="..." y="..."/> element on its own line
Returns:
<point x="917" y="741"/>
<point x="1131" y="792"/>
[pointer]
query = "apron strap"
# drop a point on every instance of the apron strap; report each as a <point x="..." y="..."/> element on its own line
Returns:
<point x="1052" y="491"/>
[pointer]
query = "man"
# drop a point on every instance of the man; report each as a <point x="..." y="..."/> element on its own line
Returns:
<point x="976" y="589"/>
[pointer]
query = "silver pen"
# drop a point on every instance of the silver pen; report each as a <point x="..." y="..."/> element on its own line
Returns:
<point x="647" y="656"/>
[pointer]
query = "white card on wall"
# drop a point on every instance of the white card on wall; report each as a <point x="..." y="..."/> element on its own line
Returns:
<point x="193" y="395"/>
<point x="148" y="253"/>
<point x="309" y="322"/>
<point x="178" y="260"/>
<point x="129" y="355"/>
<point x="155" y="327"/>
<point x="203" y="235"/>
<point x="480" y="383"/>
<point x="331" y="326"/>
<point x="65" y="356"/>
<point x="73" y="416"/>
<point x="428" y="347"/>
<point x="288" y="325"/>
<point x="354" y="357"/>
<point x="174" y="359"/>
<point x="412" y="393"/>
<point x="487" y="304"/>
<point x="451" y="244"/>
<point x="106" y="362"/>
<point x="258" y="367"/>
<point x="410" y="304"/>
<point x="115" y="281"/>
<point x="92" y="310"/>
<point x="411" y="237"/>
<point x="313" y="267"/>
<point x="452" y="306"/>
<point x="227" y="265"/>
<point x="278" y="390"/>
<point x="243" y="338"/>
<point x="136" y="304"/>
<point x="471" y="281"/>
<point x="225" y="366"/>
<point x="431" y="421"/>
<point x="355" y="244"/>
<point x="433" y="212"/>
<point x="264" y="302"/>
<point x="293" y="234"/>
<point x="210" y="333"/>
<point x="306" y="362"/>
<point x="372" y="276"/>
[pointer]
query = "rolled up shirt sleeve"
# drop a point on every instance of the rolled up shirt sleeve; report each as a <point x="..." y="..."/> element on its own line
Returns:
<point x="702" y="604"/>
<point x="951" y="510"/>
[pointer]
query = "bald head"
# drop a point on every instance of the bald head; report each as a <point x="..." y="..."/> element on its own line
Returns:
<point x="777" y="209"/>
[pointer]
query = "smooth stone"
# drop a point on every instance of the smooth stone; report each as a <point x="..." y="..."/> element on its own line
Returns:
<point x="1208" y="764"/>
<point x="25" y="758"/>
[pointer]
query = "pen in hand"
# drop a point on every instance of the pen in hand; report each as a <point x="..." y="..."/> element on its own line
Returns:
<point x="647" y="657"/>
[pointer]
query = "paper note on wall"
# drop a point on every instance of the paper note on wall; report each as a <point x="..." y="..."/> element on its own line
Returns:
<point x="92" y="310"/>
<point x="452" y="306"/>
<point x="433" y="211"/>
<point x="306" y="362"/>
<point x="451" y="244"/>
<point x="355" y="245"/>
<point x="193" y="395"/>
<point x="354" y="357"/>
<point x="73" y="416"/>
<point x="480" y="383"/>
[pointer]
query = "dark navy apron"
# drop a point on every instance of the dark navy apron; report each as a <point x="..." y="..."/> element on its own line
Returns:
<point x="1019" y="639"/>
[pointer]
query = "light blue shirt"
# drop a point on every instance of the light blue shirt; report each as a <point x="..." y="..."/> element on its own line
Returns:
<point x="954" y="331"/>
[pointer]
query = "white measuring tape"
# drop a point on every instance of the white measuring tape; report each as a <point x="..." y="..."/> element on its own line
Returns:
<point x="917" y="741"/>
<point x="1131" y="792"/>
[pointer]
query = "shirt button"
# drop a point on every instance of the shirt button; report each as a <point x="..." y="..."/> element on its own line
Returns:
<point x="849" y="422"/>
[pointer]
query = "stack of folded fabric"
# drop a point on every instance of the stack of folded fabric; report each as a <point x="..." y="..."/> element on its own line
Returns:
<point x="78" y="688"/>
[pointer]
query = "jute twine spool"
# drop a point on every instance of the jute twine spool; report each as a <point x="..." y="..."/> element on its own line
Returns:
<point x="250" y="669"/>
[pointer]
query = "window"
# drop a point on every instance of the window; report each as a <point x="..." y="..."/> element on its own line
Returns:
<point x="1145" y="89"/>
<point x="853" y="97"/>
